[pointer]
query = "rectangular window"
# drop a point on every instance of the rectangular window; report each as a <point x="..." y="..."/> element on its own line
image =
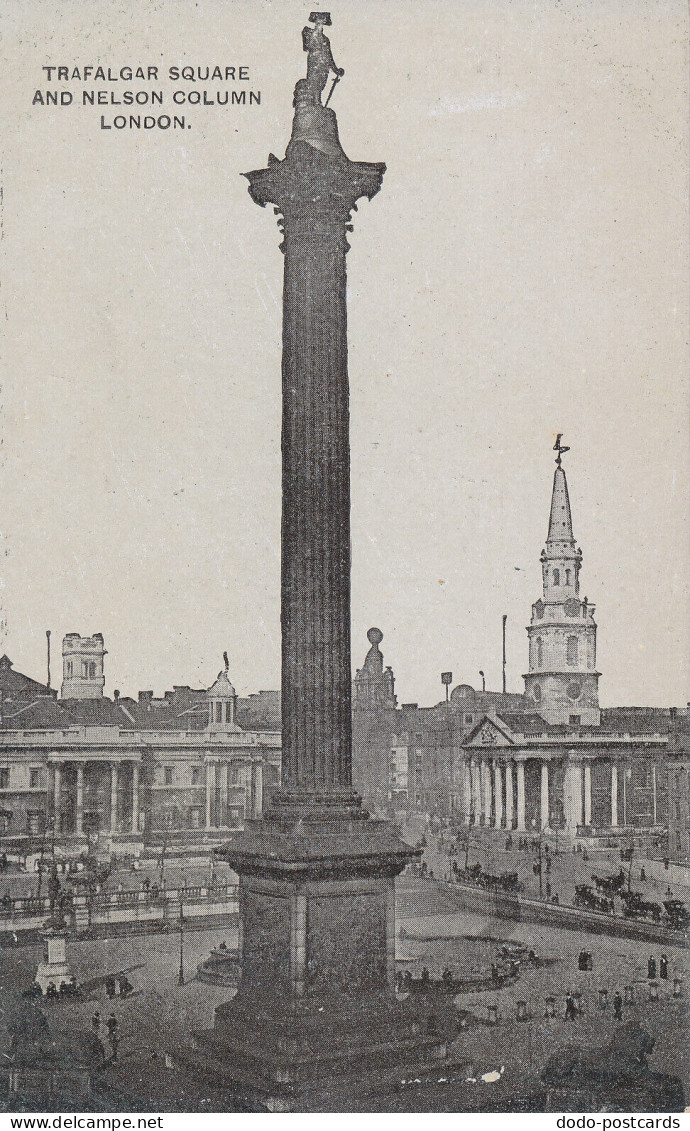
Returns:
<point x="70" y="669"/>
<point x="195" y="818"/>
<point x="574" y="720"/>
<point x="34" y="776"/>
<point x="196" y="777"/>
<point x="167" y="775"/>
<point x="34" y="821"/>
<point x="4" y="779"/>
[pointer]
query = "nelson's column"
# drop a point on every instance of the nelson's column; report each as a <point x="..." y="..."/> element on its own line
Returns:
<point x="316" y="1009"/>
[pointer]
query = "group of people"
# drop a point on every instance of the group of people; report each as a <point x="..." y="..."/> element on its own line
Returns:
<point x="651" y="967"/>
<point x="67" y="989"/>
<point x="113" y="1029"/>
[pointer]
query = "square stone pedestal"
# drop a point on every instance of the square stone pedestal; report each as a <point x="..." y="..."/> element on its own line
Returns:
<point x="54" y="967"/>
<point x="316" y="1012"/>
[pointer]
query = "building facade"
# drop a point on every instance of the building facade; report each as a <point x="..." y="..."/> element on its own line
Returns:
<point x="127" y="774"/>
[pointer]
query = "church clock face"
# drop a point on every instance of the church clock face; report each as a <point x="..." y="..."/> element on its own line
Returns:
<point x="574" y="690"/>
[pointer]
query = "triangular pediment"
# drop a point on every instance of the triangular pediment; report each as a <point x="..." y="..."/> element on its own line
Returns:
<point x="488" y="733"/>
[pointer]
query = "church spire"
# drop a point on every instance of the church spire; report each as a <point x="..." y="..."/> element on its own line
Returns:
<point x="562" y="680"/>
<point x="560" y="519"/>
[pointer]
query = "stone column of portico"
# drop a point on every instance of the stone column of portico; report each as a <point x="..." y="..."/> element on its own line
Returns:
<point x="498" y="795"/>
<point x="476" y="792"/>
<point x="574" y="807"/>
<point x="135" y="797"/>
<point x="521" y="796"/>
<point x="114" y="783"/>
<point x="79" y="822"/>
<point x="544" y="806"/>
<point x="467" y="790"/>
<point x="588" y="793"/>
<point x="614" y="794"/>
<point x="486" y="791"/>
<point x="509" y="793"/>
<point x="210" y="784"/>
<point x="57" y="785"/>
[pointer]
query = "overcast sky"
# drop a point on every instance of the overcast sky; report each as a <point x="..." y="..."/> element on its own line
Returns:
<point x="523" y="272"/>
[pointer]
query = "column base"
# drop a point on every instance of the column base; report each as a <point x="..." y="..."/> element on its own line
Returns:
<point x="289" y="1056"/>
<point x="316" y="1013"/>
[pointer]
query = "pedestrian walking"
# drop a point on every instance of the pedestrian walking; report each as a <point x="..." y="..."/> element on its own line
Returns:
<point x="643" y="876"/>
<point x="651" y="968"/>
<point x="570" y="1009"/>
<point x="663" y="966"/>
<point x="110" y="986"/>
<point x="96" y="1022"/>
<point x="617" y="1006"/>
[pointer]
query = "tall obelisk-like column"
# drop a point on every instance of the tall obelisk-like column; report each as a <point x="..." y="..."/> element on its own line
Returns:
<point x="315" y="189"/>
<point x="317" y="898"/>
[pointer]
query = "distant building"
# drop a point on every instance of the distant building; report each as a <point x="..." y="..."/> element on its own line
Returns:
<point x="125" y="774"/>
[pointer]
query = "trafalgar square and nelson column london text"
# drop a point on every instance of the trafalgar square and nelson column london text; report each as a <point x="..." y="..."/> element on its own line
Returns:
<point x="514" y="290"/>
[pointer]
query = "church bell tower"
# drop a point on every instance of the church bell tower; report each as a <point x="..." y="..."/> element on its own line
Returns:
<point x="562" y="681"/>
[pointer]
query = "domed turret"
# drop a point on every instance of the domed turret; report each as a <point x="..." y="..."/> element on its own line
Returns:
<point x="222" y="700"/>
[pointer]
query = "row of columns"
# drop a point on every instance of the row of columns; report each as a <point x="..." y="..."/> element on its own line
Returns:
<point x="486" y="801"/>
<point x="114" y="788"/>
<point x="484" y="794"/>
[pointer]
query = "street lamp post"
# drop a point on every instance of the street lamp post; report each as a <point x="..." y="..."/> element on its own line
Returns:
<point x="180" y="973"/>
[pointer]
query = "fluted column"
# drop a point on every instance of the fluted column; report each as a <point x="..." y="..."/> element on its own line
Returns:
<point x="467" y="789"/>
<point x="588" y="793"/>
<point x="476" y="792"/>
<point x="210" y="782"/>
<point x="614" y="794"/>
<point x="135" y="797"/>
<point x="114" y="782"/>
<point x="544" y="808"/>
<point x="498" y="795"/>
<point x="79" y="822"/>
<point x="316" y="195"/>
<point x="486" y="791"/>
<point x="509" y="794"/>
<point x="57" y="786"/>
<point x="521" y="796"/>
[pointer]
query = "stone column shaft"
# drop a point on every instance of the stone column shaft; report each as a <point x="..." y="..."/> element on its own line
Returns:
<point x="476" y="792"/>
<point x="521" y="796"/>
<point x="588" y="793"/>
<point x="79" y="824"/>
<point x="114" y="782"/>
<point x="614" y="794"/>
<point x="486" y="791"/>
<point x="544" y="809"/>
<point x="135" y="797"/>
<point x="498" y="795"/>
<point x="509" y="794"/>
<point x="467" y="789"/>
<point x="210" y="782"/>
<point x="57" y="785"/>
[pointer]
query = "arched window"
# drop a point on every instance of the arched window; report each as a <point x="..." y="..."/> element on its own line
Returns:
<point x="556" y="577"/>
<point x="540" y="651"/>
<point x="572" y="650"/>
<point x="567" y="577"/>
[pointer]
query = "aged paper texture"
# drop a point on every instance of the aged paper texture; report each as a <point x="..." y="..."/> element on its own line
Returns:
<point x="506" y="929"/>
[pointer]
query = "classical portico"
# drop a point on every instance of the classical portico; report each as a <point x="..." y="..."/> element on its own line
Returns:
<point x="94" y="792"/>
<point x="510" y="780"/>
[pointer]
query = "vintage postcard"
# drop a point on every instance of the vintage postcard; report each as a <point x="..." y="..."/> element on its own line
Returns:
<point x="344" y="728"/>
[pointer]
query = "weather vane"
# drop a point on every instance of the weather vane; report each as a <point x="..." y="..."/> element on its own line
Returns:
<point x="560" y="448"/>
